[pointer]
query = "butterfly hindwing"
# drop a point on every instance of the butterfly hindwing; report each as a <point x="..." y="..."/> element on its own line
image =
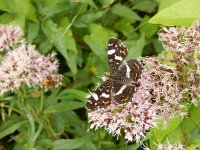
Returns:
<point x="128" y="75"/>
<point x="122" y="93"/>
<point x="117" y="52"/>
<point x="101" y="98"/>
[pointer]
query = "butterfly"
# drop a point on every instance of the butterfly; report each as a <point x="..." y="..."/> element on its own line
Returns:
<point x="120" y="84"/>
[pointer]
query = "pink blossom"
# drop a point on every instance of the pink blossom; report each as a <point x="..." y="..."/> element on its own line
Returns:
<point x="181" y="38"/>
<point x="24" y="65"/>
<point x="184" y="43"/>
<point x="169" y="146"/>
<point x="9" y="35"/>
<point x="157" y="96"/>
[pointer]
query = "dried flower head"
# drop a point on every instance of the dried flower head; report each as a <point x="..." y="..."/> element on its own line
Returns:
<point x="9" y="35"/>
<point x="24" y="65"/>
<point x="156" y="96"/>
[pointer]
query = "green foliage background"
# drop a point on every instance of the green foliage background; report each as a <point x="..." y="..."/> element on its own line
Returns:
<point x="79" y="30"/>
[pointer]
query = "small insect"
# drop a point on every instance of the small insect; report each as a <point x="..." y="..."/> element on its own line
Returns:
<point x="120" y="84"/>
<point x="48" y="82"/>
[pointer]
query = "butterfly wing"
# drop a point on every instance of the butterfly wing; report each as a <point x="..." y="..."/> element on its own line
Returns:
<point x="128" y="74"/>
<point x="122" y="93"/>
<point x="117" y="52"/>
<point x="101" y="98"/>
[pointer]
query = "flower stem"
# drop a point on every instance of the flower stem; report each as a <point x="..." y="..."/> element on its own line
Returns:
<point x="41" y="100"/>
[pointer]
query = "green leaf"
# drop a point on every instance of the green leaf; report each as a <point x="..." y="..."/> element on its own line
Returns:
<point x="172" y="125"/>
<point x="135" y="47"/>
<point x="165" y="3"/>
<point x="78" y="94"/>
<point x="69" y="143"/>
<point x="98" y="40"/>
<point x="56" y="37"/>
<point x="182" y="12"/>
<point x="148" y="29"/>
<point x="64" y="106"/>
<point x="8" y="18"/>
<point x="55" y="9"/>
<point x="58" y="122"/>
<point x="9" y="128"/>
<point x="158" y="46"/>
<point x="194" y="115"/>
<point x="124" y="11"/>
<point x="46" y="46"/>
<point x="193" y="147"/>
<point x="106" y="3"/>
<point x="125" y="26"/>
<point x="33" y="29"/>
<point x="188" y="125"/>
<point x="89" y="2"/>
<point x="24" y="8"/>
<point x="146" y="6"/>
<point x="194" y="139"/>
<point x="84" y="20"/>
<point x="174" y="137"/>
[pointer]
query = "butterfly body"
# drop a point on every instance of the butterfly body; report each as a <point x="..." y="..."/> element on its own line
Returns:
<point x="120" y="84"/>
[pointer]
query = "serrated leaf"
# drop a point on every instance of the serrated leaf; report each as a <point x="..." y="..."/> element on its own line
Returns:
<point x="98" y="40"/>
<point x="124" y="11"/>
<point x="182" y="12"/>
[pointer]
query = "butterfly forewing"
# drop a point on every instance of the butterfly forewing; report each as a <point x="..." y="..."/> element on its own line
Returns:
<point x="117" y="52"/>
<point x="101" y="98"/>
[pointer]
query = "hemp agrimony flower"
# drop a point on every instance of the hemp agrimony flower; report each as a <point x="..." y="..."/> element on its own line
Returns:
<point x="169" y="146"/>
<point x="9" y="35"/>
<point x="184" y="44"/>
<point x="157" y="96"/>
<point x="24" y="65"/>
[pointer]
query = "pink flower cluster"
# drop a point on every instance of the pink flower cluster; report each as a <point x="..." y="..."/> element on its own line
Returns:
<point x="9" y="35"/>
<point x="157" y="96"/>
<point x="177" y="146"/>
<point x="25" y="65"/>
<point x="184" y="44"/>
<point x="181" y="38"/>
